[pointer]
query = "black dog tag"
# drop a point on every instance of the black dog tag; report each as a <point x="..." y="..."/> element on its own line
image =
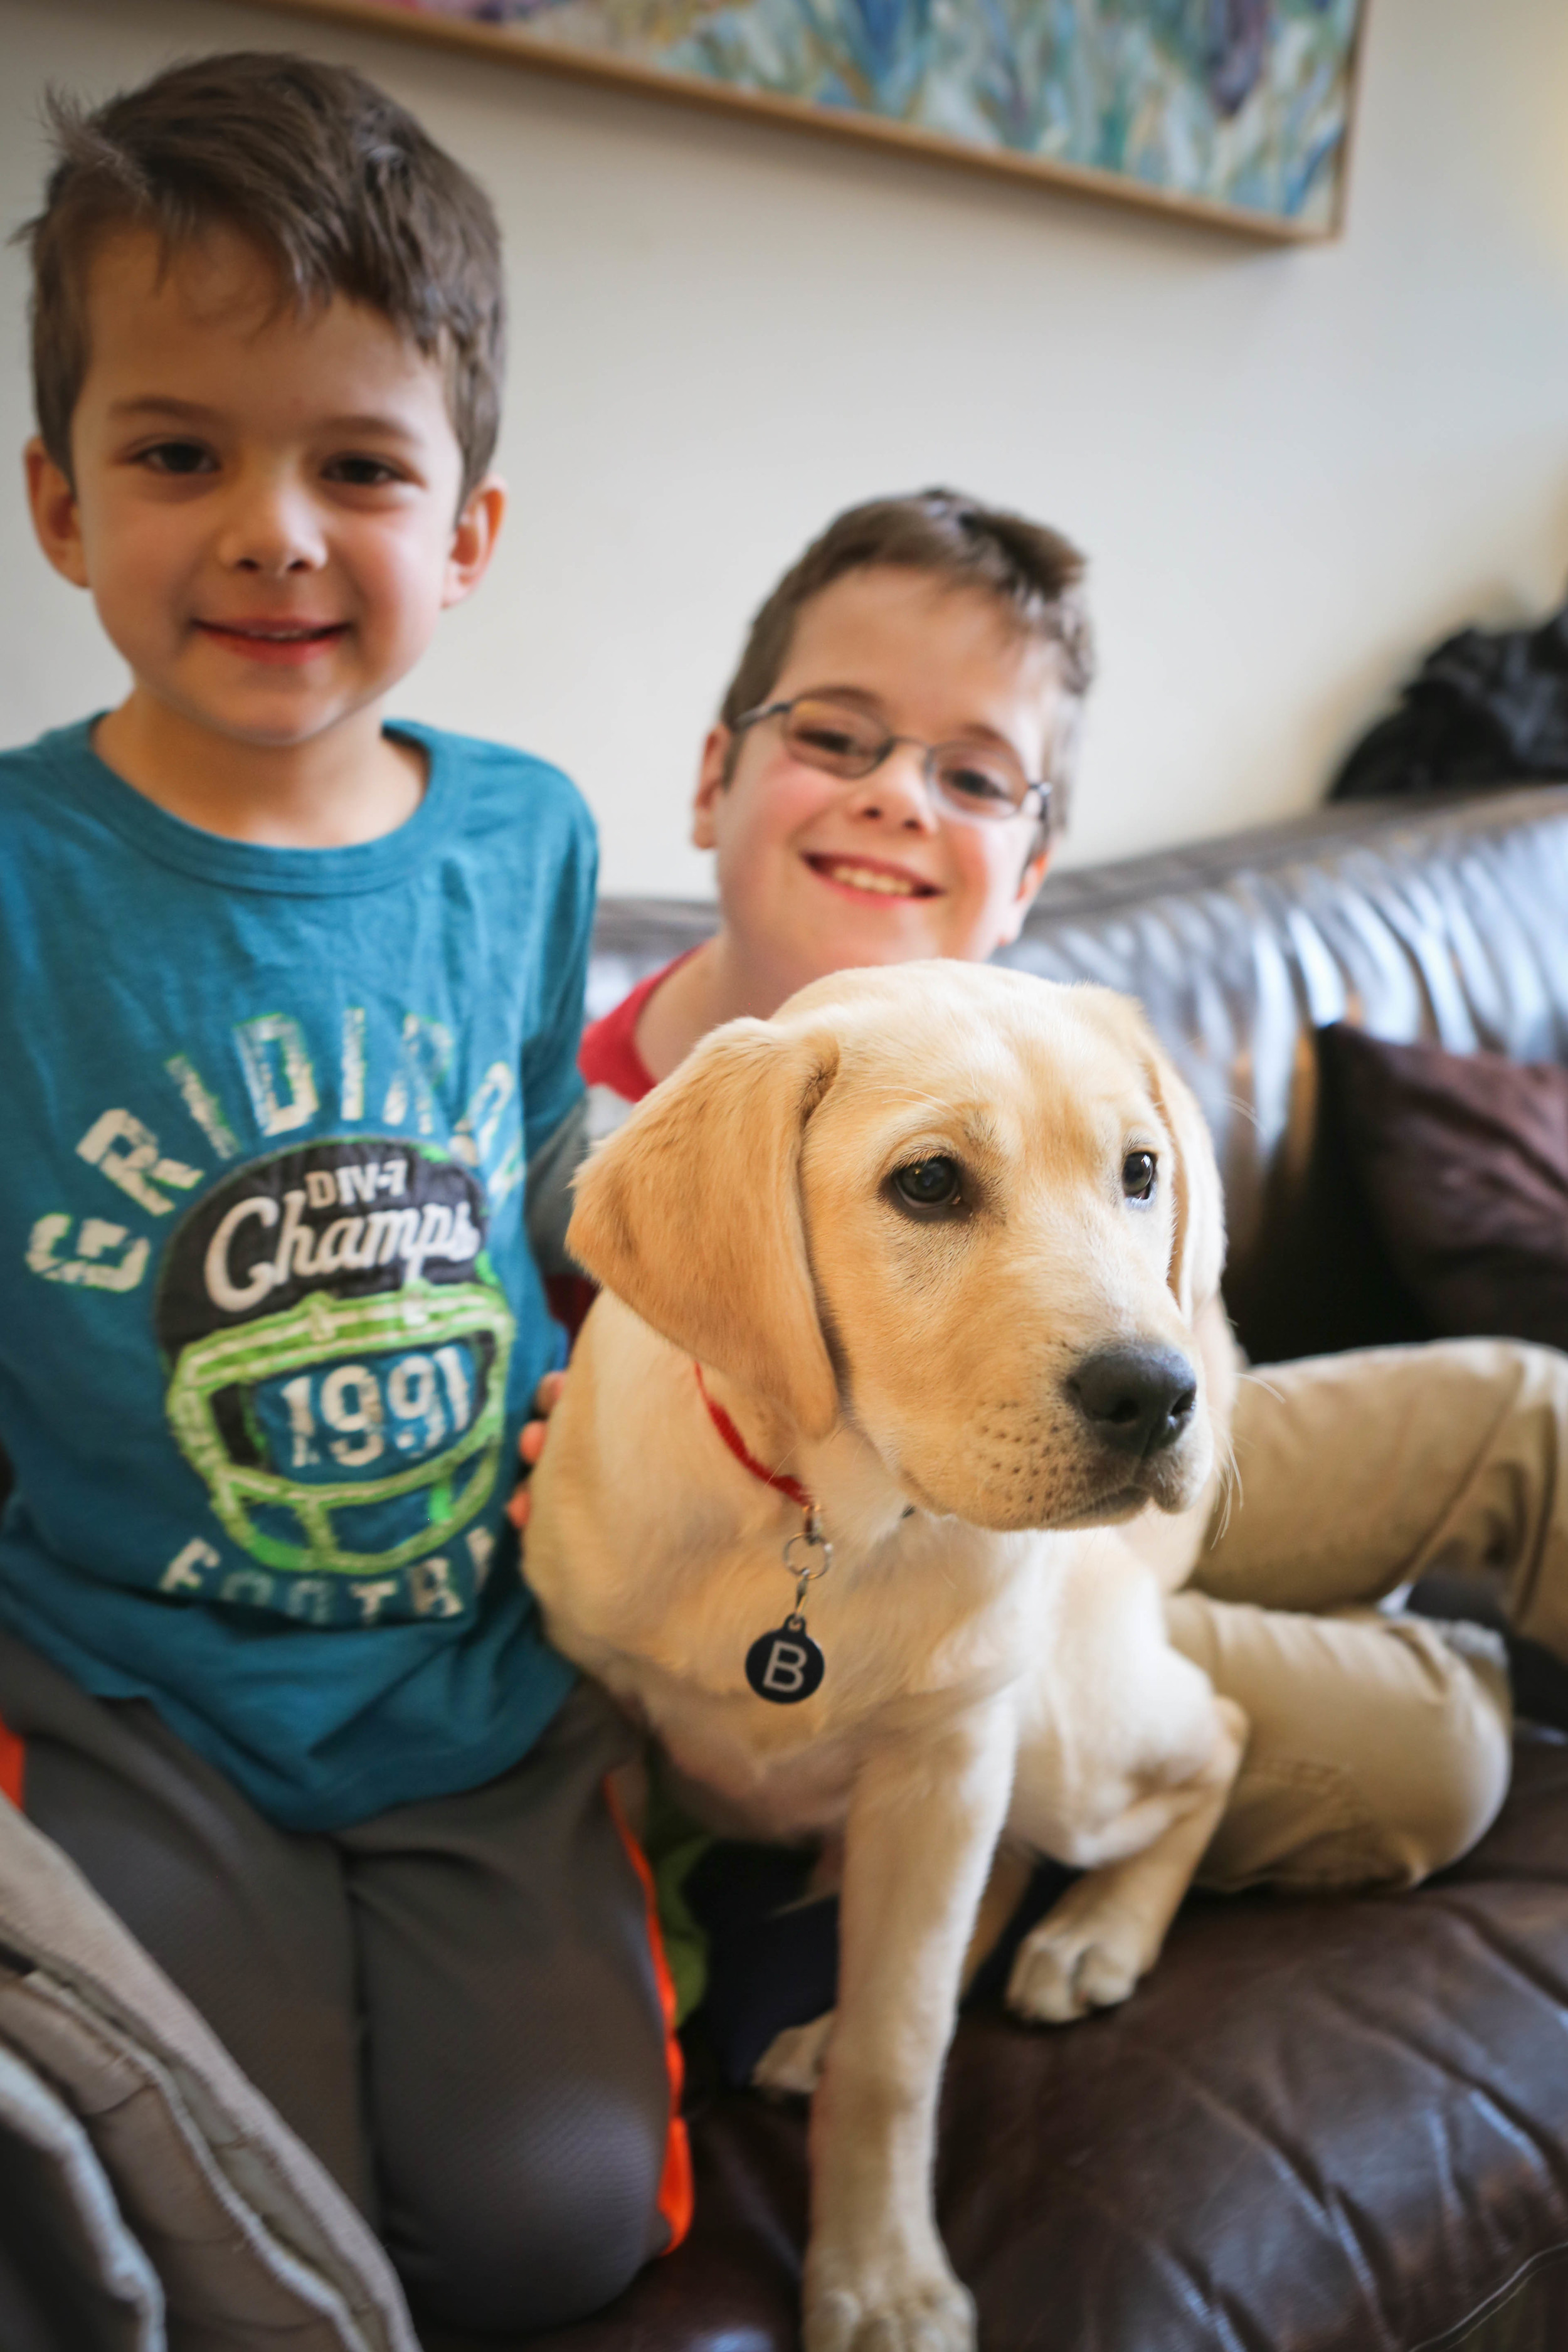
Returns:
<point x="787" y="1666"/>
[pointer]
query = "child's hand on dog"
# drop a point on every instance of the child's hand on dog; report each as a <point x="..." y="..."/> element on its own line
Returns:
<point x="531" y="1443"/>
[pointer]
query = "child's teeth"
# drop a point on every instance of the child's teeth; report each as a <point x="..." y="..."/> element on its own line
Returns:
<point x="860" y="877"/>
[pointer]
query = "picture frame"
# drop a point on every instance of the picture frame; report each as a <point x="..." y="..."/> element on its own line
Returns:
<point x="1236" y="114"/>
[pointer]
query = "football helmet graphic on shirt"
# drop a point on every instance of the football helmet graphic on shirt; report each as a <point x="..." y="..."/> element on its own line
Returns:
<point x="337" y="1349"/>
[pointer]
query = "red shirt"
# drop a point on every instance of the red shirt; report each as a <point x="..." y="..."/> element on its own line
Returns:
<point x="617" y="1077"/>
<point x="608" y="1056"/>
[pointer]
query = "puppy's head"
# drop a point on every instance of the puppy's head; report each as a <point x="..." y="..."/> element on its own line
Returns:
<point x="972" y="1211"/>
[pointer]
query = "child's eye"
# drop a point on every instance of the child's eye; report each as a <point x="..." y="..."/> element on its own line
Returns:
<point x="177" y="458"/>
<point x="836" y="741"/>
<point x="361" y="473"/>
<point x="968" y="782"/>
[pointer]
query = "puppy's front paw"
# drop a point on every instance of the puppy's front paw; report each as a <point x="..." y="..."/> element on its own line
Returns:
<point x="791" y="2063"/>
<point x="927" y="2313"/>
<point x="1075" y="1960"/>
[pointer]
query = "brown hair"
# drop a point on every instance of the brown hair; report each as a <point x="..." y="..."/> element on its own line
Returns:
<point x="1033" y="573"/>
<point x="336" y="184"/>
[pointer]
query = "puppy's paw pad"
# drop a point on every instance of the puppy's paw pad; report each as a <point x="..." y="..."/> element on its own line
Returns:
<point x="932" y="2315"/>
<point x="1063" y="1974"/>
<point x="790" y="2066"/>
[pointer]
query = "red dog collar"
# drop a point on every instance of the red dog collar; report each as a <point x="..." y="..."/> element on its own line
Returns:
<point x="748" y="1460"/>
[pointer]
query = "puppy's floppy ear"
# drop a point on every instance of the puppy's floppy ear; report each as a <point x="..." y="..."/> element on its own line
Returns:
<point x="1198" y="1252"/>
<point x="692" y="1213"/>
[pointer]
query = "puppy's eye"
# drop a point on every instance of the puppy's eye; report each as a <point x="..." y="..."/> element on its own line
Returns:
<point x="1138" y="1171"/>
<point x="933" y="1183"/>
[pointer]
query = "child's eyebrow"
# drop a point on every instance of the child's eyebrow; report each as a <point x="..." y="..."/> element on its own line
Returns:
<point x="972" y="729"/>
<point x="389" y="428"/>
<point x="846" y="694"/>
<point x="166" y="405"/>
<point x="157" y="404"/>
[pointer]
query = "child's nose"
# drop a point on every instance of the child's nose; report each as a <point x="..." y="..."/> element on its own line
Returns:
<point x="897" y="790"/>
<point x="272" y="528"/>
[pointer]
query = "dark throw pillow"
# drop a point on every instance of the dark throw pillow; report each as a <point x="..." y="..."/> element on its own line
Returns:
<point x="1463" y="1161"/>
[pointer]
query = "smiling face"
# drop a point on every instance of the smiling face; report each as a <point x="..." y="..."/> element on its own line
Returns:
<point x="827" y="874"/>
<point x="264" y="501"/>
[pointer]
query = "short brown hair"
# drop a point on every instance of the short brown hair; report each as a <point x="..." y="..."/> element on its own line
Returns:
<point x="1033" y="573"/>
<point x="336" y="184"/>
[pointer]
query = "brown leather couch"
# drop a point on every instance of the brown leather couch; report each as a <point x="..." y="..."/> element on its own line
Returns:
<point x="1333" y="2126"/>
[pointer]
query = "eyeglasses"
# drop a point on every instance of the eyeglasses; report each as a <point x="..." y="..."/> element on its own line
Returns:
<point x="983" y="783"/>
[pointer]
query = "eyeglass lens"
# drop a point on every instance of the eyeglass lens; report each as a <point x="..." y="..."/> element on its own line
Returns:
<point x="973" y="779"/>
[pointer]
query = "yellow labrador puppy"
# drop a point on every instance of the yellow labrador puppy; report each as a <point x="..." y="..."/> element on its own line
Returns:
<point x="903" y="1283"/>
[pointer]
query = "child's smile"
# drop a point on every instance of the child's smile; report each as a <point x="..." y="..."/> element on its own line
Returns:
<point x="269" y="640"/>
<point x="863" y="878"/>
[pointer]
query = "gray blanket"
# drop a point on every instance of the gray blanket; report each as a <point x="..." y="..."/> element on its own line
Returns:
<point x="149" y="2196"/>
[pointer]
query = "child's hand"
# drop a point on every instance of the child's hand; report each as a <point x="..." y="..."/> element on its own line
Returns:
<point x="531" y="1445"/>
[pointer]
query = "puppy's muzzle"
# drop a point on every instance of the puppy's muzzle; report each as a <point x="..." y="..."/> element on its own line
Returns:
<point x="1137" y="1400"/>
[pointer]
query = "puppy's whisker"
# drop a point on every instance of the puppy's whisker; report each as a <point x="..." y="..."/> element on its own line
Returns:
<point x="1229" y="1488"/>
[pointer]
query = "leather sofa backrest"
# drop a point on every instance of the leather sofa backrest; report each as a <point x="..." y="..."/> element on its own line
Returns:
<point x="1444" y="919"/>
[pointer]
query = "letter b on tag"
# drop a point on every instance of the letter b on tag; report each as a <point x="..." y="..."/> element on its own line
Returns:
<point x="786" y="1666"/>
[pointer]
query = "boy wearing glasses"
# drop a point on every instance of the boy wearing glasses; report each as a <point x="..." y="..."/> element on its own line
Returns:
<point x="878" y="784"/>
<point x="889" y="764"/>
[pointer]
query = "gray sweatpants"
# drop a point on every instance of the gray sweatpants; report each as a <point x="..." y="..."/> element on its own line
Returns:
<point x="454" y="2005"/>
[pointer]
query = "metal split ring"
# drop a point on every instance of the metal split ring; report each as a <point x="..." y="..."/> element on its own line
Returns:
<point x="814" y="1540"/>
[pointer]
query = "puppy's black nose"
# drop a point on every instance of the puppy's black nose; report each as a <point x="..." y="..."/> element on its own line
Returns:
<point x="1137" y="1399"/>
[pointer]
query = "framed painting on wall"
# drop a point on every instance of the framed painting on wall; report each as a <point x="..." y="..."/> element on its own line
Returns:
<point x="1231" y="111"/>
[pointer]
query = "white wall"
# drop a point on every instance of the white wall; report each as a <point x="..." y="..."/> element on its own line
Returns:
<point x="1292" y="468"/>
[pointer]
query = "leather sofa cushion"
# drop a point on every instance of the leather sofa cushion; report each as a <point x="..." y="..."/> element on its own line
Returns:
<point x="1320" y="2126"/>
<point x="1463" y="1162"/>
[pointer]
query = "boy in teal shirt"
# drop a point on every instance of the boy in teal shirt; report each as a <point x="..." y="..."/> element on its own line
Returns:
<point x="289" y="1000"/>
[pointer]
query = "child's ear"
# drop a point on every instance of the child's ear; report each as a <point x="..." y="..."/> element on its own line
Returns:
<point x="55" y="520"/>
<point x="1029" y="881"/>
<point x="712" y="778"/>
<point x="474" y="537"/>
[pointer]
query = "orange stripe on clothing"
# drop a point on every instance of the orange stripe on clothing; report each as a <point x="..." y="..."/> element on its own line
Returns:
<point x="675" y="2188"/>
<point x="13" y="1758"/>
